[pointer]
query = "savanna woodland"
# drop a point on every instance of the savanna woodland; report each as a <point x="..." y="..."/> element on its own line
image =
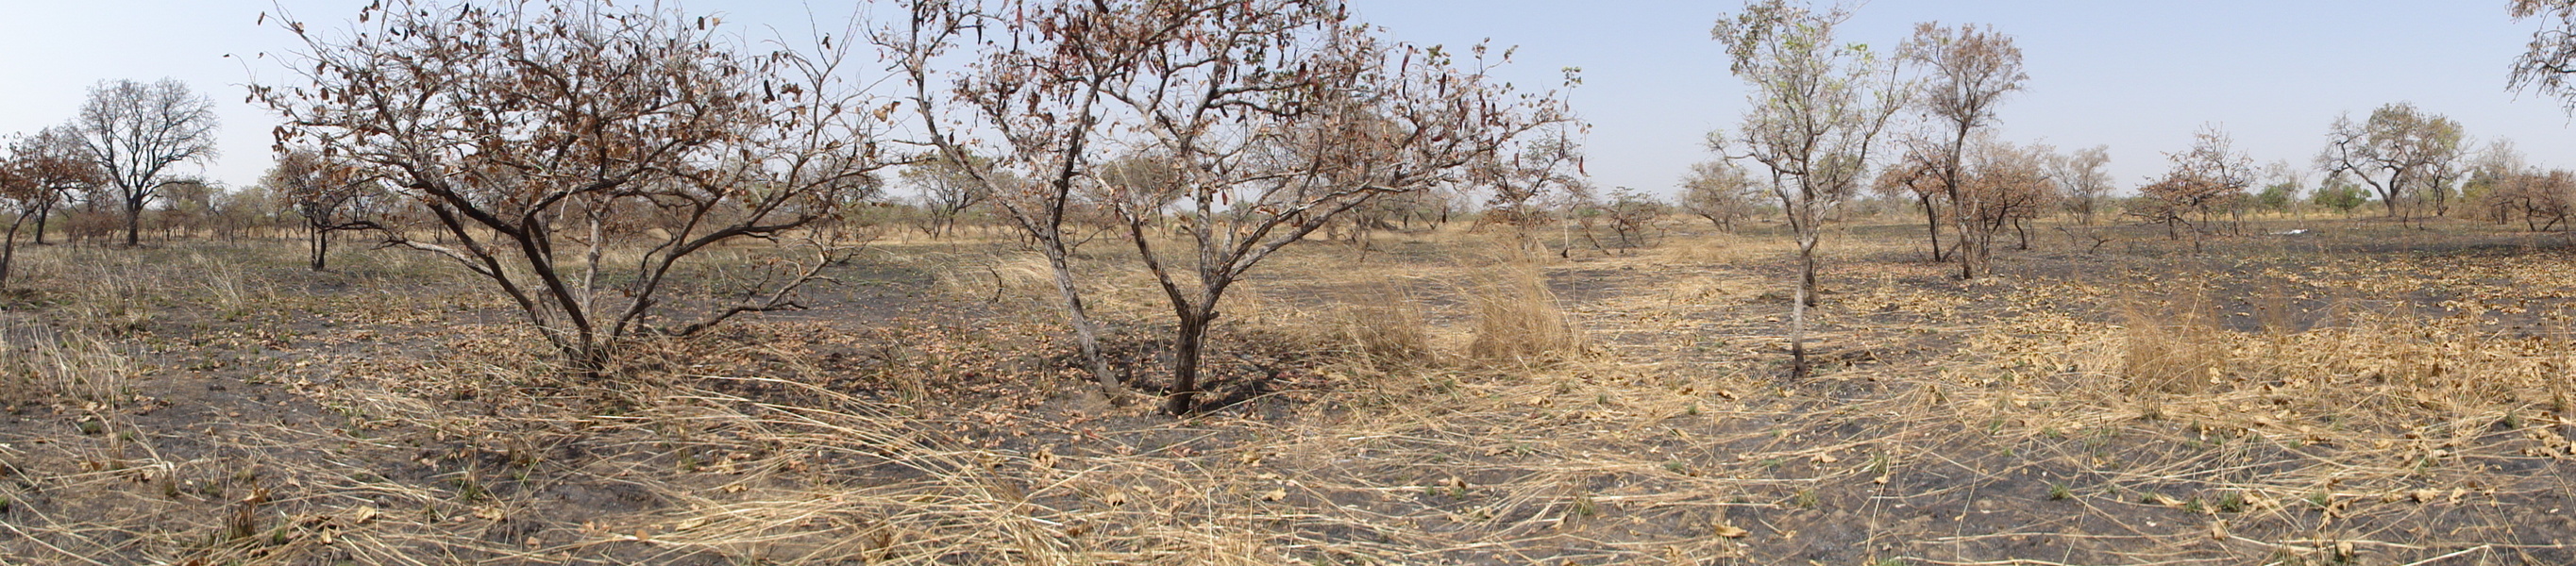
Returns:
<point x="1252" y="282"/>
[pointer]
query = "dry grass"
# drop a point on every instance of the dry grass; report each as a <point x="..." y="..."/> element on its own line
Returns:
<point x="1518" y="318"/>
<point x="1382" y="325"/>
<point x="72" y="367"/>
<point x="2027" y="419"/>
<point x="2171" y="347"/>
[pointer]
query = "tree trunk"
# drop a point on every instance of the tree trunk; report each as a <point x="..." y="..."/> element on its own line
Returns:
<point x="44" y="212"/>
<point x="1187" y="346"/>
<point x="1086" y="333"/>
<point x="321" y="248"/>
<point x="1932" y="224"/>
<point x="9" y="250"/>
<point x="133" y="223"/>
<point x="1798" y="307"/>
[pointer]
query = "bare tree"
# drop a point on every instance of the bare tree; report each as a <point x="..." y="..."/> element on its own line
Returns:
<point x="2398" y="153"/>
<point x="137" y="131"/>
<point x="1818" y="106"/>
<point x="1721" y="192"/>
<point x="2083" y="180"/>
<point x="1968" y="70"/>
<point x="534" y="137"/>
<point x="331" y="196"/>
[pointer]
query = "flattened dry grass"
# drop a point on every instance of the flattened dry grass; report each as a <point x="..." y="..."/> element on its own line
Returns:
<point x="2017" y="419"/>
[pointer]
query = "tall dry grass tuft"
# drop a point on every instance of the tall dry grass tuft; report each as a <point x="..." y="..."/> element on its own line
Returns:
<point x="2171" y="346"/>
<point x="1384" y="328"/>
<point x="70" y="366"/>
<point x="1518" y="319"/>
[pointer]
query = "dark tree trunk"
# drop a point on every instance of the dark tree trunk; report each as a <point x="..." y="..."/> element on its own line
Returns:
<point x="1086" y="333"/>
<point x="1931" y="224"/>
<point x="133" y="223"/>
<point x="1187" y="346"/>
<point x="321" y="248"/>
<point x="44" y="212"/>
<point x="9" y="249"/>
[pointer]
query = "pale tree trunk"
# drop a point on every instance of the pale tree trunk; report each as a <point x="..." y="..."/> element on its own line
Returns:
<point x="1086" y="333"/>
<point x="1798" y="307"/>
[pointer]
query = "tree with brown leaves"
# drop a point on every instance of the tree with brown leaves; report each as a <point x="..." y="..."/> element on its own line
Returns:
<point x="2008" y="186"/>
<point x="2203" y="180"/>
<point x="1237" y="127"/>
<point x="330" y="196"/>
<point x="1019" y="121"/>
<point x="37" y="172"/>
<point x="2551" y="56"/>
<point x="1968" y="70"/>
<point x="1917" y="175"/>
<point x="534" y="137"/>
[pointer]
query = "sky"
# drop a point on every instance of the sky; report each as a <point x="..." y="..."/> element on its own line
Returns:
<point x="2137" y="76"/>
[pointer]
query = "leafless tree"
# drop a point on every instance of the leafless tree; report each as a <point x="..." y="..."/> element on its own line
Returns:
<point x="1818" y="106"/>
<point x="2399" y="152"/>
<point x="2083" y="180"/>
<point x="137" y="131"/>
<point x="536" y="136"/>
<point x="1968" y="70"/>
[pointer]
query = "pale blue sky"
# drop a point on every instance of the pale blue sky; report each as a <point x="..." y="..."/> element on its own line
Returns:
<point x="2139" y="76"/>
